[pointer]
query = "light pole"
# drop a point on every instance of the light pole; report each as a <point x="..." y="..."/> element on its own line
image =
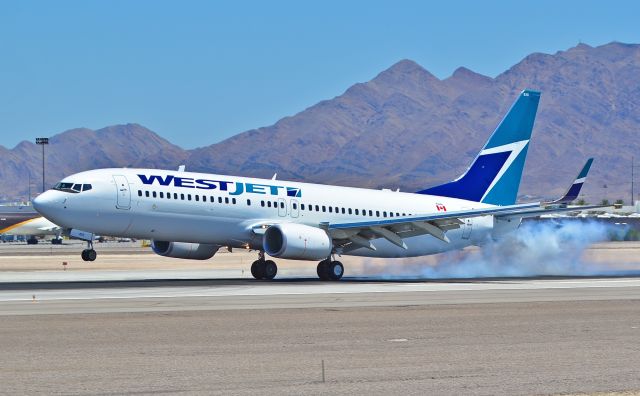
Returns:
<point x="42" y="142"/>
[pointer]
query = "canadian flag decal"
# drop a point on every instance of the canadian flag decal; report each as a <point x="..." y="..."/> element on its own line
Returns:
<point x="441" y="207"/>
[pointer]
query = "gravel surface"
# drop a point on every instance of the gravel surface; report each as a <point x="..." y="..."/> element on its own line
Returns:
<point x="518" y="348"/>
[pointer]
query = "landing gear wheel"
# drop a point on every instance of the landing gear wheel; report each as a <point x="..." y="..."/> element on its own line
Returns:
<point x="257" y="269"/>
<point x="56" y="241"/>
<point x="270" y="270"/>
<point x="32" y="241"/>
<point x="330" y="270"/>
<point x="335" y="270"/>
<point x="89" y="255"/>
<point x="322" y="269"/>
<point x="264" y="269"/>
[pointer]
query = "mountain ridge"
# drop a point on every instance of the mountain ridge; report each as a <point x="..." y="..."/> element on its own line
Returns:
<point x="404" y="128"/>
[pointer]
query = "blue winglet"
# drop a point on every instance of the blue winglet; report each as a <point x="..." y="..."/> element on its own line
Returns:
<point x="573" y="191"/>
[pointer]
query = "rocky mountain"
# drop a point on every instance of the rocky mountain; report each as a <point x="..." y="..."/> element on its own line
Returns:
<point x="405" y="128"/>
<point x="81" y="149"/>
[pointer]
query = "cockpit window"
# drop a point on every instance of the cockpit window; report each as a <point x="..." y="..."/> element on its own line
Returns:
<point x="66" y="187"/>
<point x="72" y="187"/>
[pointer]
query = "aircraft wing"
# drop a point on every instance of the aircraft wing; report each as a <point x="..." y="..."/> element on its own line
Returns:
<point x="49" y="229"/>
<point x="549" y="210"/>
<point x="351" y="236"/>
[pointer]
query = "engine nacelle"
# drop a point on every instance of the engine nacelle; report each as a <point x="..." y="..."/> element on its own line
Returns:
<point x="296" y="241"/>
<point x="184" y="250"/>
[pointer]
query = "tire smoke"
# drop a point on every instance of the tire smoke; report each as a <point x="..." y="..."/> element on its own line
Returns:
<point x="537" y="248"/>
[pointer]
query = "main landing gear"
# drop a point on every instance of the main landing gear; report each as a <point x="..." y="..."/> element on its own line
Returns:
<point x="264" y="269"/>
<point x="329" y="270"/>
<point x="89" y="254"/>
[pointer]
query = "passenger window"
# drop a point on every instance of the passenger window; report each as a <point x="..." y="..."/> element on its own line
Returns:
<point x="233" y="201"/>
<point x="384" y="214"/>
<point x="219" y="199"/>
<point x="189" y="197"/>
<point x="161" y="194"/>
<point x="168" y="195"/>
<point x="212" y="199"/>
<point x="295" y="206"/>
<point x="324" y="208"/>
<point x="175" y="195"/>
<point x="403" y="215"/>
<point x="370" y="212"/>
<point x="364" y="212"/>
<point x="302" y="206"/>
<point x="154" y="194"/>
<point x="330" y="209"/>
<point x="350" y="211"/>
<point x="390" y="214"/>
<point x="248" y="202"/>
<point x="182" y="197"/>
<point x="226" y="200"/>
<point x="86" y="187"/>
<point x="262" y="203"/>
<point x="377" y="213"/>
<point x="139" y="193"/>
<point x="146" y="194"/>
<point x="281" y="205"/>
<point x="342" y="210"/>
<point x="269" y="203"/>
<point x="317" y="208"/>
<point x="197" y="198"/>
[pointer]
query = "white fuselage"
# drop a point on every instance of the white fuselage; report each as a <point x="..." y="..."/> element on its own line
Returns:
<point x="225" y="210"/>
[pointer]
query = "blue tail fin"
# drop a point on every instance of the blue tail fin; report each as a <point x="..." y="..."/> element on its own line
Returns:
<point x="494" y="176"/>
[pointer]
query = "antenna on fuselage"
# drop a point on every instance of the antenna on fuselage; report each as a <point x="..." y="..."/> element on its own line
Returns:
<point x="181" y="168"/>
<point x="274" y="176"/>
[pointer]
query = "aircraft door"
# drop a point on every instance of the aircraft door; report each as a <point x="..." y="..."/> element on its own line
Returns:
<point x="282" y="207"/>
<point x="123" y="197"/>
<point x="294" y="208"/>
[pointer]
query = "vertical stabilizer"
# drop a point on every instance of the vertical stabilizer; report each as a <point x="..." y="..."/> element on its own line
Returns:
<point x="494" y="175"/>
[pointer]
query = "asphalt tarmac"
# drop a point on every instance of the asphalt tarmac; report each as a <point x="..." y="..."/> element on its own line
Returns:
<point x="223" y="334"/>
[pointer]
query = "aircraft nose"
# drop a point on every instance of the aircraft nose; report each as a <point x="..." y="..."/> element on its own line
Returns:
<point x="47" y="203"/>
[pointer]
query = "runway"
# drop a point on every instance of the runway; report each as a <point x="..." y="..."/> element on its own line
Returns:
<point x="136" y="324"/>
<point x="231" y="294"/>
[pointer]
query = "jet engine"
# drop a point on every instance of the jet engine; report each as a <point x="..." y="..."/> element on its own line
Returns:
<point x="296" y="241"/>
<point x="184" y="250"/>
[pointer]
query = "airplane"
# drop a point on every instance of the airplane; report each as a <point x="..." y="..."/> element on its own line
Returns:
<point x="23" y="220"/>
<point x="191" y="215"/>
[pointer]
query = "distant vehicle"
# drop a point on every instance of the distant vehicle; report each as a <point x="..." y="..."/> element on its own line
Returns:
<point x="191" y="215"/>
<point x="25" y="221"/>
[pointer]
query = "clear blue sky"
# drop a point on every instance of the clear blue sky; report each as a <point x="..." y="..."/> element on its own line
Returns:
<point x="197" y="72"/>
